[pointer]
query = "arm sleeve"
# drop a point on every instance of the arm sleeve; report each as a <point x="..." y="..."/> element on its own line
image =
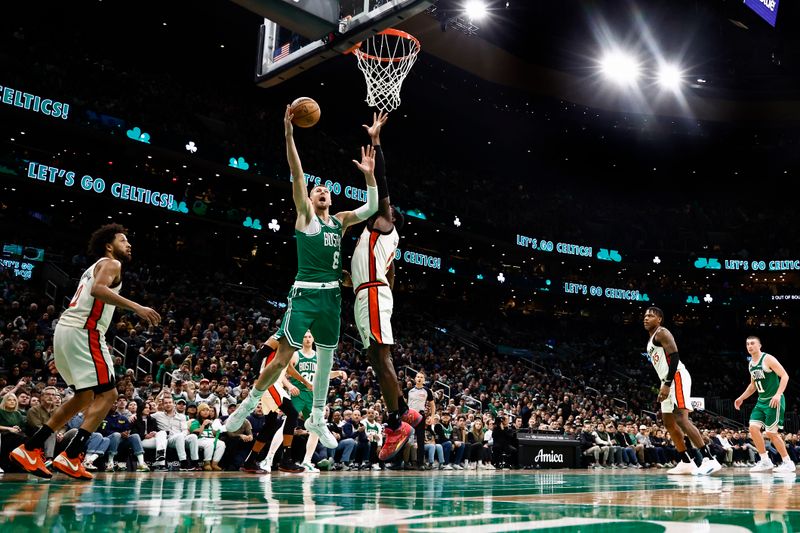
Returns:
<point x="380" y="174"/>
<point x="674" y="358"/>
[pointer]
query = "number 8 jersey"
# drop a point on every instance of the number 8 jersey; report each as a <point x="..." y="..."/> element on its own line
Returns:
<point x="319" y="251"/>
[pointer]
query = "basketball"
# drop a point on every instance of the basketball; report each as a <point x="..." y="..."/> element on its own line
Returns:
<point x="306" y="112"/>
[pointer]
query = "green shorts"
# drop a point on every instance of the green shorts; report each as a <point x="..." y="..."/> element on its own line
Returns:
<point x="767" y="417"/>
<point x="311" y="307"/>
<point x="303" y="402"/>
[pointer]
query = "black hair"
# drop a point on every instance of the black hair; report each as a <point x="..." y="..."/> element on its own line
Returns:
<point x="656" y="311"/>
<point x="102" y="236"/>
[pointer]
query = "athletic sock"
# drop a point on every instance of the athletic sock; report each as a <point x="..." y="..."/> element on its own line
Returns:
<point x="764" y="456"/>
<point x="77" y="444"/>
<point x="140" y="459"/>
<point x="787" y="459"/>
<point x="686" y="457"/>
<point x="322" y="379"/>
<point x="286" y="454"/>
<point x="393" y="422"/>
<point x="37" y="441"/>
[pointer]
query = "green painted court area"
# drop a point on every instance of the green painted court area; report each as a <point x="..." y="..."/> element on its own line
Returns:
<point x="611" y="500"/>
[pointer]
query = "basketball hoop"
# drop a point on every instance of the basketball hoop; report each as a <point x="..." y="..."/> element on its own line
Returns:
<point x="385" y="59"/>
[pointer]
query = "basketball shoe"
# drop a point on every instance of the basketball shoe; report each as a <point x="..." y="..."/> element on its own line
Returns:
<point x="764" y="465"/>
<point x="786" y="467"/>
<point x="411" y="417"/>
<point x="243" y="410"/>
<point x="683" y="468"/>
<point x="31" y="461"/>
<point x="71" y="467"/>
<point x="320" y="429"/>
<point x="395" y="440"/>
<point x="709" y="466"/>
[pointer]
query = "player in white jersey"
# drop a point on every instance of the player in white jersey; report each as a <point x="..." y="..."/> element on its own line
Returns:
<point x="81" y="354"/>
<point x="676" y="384"/>
<point x="372" y="273"/>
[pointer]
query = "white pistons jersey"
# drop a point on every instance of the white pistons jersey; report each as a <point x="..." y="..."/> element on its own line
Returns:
<point x="372" y="257"/>
<point x="659" y="358"/>
<point x="85" y="311"/>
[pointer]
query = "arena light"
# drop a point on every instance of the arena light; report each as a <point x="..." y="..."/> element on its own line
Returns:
<point x="670" y="77"/>
<point x="475" y="9"/>
<point x="620" y="67"/>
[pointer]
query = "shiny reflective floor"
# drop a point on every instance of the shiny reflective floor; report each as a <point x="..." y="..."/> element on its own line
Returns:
<point x="589" y="501"/>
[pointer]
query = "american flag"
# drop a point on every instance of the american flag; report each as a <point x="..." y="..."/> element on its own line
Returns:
<point x="281" y="52"/>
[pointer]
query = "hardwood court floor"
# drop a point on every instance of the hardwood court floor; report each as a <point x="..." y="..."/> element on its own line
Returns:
<point x="556" y="500"/>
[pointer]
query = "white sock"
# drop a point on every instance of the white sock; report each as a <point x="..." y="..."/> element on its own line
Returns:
<point x="90" y="457"/>
<point x="787" y="460"/>
<point x="311" y="446"/>
<point x="764" y="456"/>
<point x="111" y="458"/>
<point x="140" y="458"/>
<point x="322" y="379"/>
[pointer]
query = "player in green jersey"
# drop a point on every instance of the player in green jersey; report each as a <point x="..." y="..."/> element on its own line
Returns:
<point x="769" y="379"/>
<point x="314" y="301"/>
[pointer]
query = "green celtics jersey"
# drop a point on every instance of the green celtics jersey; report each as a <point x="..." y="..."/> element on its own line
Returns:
<point x="306" y="367"/>
<point x="319" y="257"/>
<point x="766" y="382"/>
<point x="372" y="428"/>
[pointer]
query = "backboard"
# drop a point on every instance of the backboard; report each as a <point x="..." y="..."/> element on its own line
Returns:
<point x="300" y="34"/>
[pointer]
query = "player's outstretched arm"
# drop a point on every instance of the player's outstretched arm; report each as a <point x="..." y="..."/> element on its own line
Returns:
<point x="109" y="271"/>
<point x="384" y="204"/>
<point x="367" y="167"/>
<point x="299" y="193"/>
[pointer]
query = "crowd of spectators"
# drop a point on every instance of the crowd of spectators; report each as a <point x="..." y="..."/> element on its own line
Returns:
<point x="178" y="381"/>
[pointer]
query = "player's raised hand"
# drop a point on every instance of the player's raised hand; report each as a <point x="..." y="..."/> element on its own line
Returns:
<point x="287" y="121"/>
<point x="367" y="164"/>
<point x="148" y="314"/>
<point x="378" y="121"/>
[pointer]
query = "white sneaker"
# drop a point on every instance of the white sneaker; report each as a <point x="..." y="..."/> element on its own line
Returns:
<point x="89" y="466"/>
<point x="243" y="410"/>
<point x="683" y="468"/>
<point x="708" y="467"/>
<point x="787" y="467"/>
<point x="266" y="464"/>
<point x="320" y="429"/>
<point x="490" y="466"/>
<point x="448" y="466"/>
<point x="764" y="465"/>
<point x="458" y="467"/>
<point x="308" y="467"/>
<point x="376" y="467"/>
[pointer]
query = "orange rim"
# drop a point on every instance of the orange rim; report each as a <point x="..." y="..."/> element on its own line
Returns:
<point x="389" y="31"/>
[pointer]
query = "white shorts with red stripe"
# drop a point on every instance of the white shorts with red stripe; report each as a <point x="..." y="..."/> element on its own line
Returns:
<point x="679" y="393"/>
<point x="373" y="313"/>
<point x="272" y="398"/>
<point x="82" y="358"/>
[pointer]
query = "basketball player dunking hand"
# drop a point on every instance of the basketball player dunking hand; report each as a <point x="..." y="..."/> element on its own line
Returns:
<point x="676" y="384"/>
<point x="82" y="357"/>
<point x="373" y="282"/>
<point x="315" y="301"/>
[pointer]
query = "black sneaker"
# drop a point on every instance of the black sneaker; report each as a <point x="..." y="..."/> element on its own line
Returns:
<point x="186" y="466"/>
<point x="291" y="467"/>
<point x="251" y="467"/>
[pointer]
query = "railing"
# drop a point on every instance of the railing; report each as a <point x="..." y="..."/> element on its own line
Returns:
<point x="650" y="414"/>
<point x="592" y="389"/>
<point x="141" y="359"/>
<point x="443" y="386"/>
<point x="356" y="342"/>
<point x="620" y="401"/>
<point x="51" y="291"/>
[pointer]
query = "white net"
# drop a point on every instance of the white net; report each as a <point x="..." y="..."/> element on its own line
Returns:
<point x="385" y="60"/>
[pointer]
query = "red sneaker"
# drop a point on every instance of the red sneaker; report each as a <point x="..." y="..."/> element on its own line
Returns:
<point x="71" y="467"/>
<point x="31" y="461"/>
<point x="395" y="440"/>
<point x="411" y="417"/>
